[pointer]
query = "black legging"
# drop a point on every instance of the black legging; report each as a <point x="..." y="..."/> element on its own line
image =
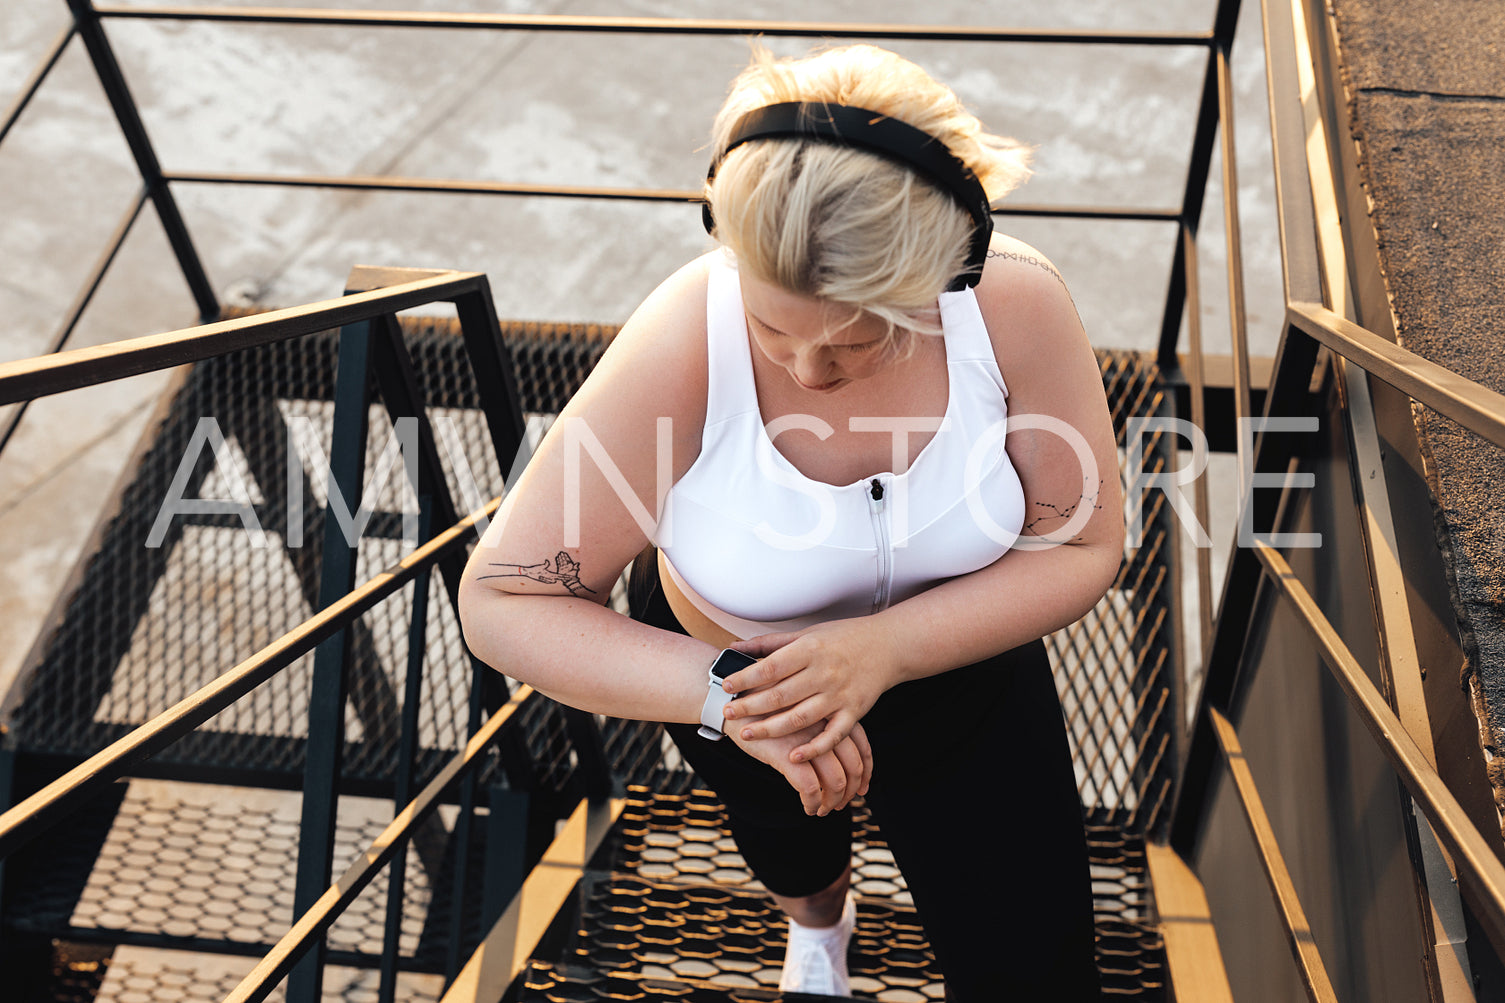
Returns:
<point x="974" y="791"/>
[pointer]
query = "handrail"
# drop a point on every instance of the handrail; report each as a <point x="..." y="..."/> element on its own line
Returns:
<point x="81" y="303"/>
<point x="29" y="89"/>
<point x="42" y="809"/>
<point x="1238" y="333"/>
<point x="460" y="186"/>
<point x="339" y="605"/>
<point x="504" y="952"/>
<point x="1458" y="835"/>
<point x="279" y="961"/>
<point x="1319" y="988"/>
<point x="651" y="25"/>
<point x="82" y="367"/>
<point x="1471" y="404"/>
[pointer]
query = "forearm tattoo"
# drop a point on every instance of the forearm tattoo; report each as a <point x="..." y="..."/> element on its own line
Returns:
<point x="1058" y="514"/>
<point x="566" y="572"/>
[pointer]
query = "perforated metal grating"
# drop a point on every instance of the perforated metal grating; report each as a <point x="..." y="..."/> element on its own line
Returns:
<point x="194" y="864"/>
<point x="671" y="838"/>
<point x="1115" y="668"/>
<point x="676" y="902"/>
<point x="673" y="902"/>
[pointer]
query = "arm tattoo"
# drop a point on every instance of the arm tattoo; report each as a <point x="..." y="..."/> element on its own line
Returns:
<point x="1029" y="259"/>
<point x="566" y="572"/>
<point x="1063" y="514"/>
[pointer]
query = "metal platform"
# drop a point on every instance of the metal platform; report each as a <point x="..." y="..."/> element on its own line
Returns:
<point x="191" y="865"/>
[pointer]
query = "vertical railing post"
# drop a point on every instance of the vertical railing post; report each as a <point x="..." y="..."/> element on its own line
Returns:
<point x="326" y="708"/>
<point x="480" y="676"/>
<point x="1197" y="378"/>
<point x="7" y="793"/>
<point x="1157" y="685"/>
<point x="495" y="379"/>
<point x="507" y="847"/>
<point x="113" y="81"/>
<point x="591" y="764"/>
<point x="1224" y="23"/>
<point x="407" y="759"/>
<point x="501" y="403"/>
<point x="1288" y="394"/>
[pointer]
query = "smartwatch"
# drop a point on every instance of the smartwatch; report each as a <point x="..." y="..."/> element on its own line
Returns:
<point x="711" y="719"/>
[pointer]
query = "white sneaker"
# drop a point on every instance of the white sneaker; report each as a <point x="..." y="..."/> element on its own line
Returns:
<point x="816" y="961"/>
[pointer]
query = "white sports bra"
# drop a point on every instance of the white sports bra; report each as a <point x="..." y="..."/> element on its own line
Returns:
<point x="759" y="547"/>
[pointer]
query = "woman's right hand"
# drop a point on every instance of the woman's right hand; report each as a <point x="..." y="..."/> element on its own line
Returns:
<point x="825" y="783"/>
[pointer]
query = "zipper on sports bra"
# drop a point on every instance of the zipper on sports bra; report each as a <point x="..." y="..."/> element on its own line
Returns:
<point x="885" y="582"/>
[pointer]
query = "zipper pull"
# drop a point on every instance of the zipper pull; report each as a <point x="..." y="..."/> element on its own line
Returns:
<point x="876" y="494"/>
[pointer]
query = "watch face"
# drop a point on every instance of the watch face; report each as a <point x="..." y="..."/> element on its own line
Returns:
<point x="730" y="661"/>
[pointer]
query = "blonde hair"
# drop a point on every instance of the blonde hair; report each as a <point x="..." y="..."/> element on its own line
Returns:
<point x="841" y="223"/>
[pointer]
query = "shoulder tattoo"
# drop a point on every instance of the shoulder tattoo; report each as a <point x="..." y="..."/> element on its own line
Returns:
<point x="1029" y="259"/>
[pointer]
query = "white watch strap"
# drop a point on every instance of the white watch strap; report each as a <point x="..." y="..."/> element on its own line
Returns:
<point x="711" y="719"/>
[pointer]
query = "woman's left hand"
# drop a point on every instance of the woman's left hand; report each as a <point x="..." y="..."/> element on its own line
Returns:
<point x="832" y="672"/>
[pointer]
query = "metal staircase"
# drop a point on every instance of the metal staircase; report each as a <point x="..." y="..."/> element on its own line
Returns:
<point x="404" y="823"/>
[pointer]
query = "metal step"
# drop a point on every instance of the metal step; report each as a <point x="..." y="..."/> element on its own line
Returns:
<point x="213" y="868"/>
<point x="668" y="910"/>
<point x="734" y="939"/>
<point x="573" y="984"/>
<point x="673" y="899"/>
<point x="96" y="974"/>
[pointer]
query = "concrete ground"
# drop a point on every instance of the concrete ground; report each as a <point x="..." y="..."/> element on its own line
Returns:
<point x="1110" y="126"/>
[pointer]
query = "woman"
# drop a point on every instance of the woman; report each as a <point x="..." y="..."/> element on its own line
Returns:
<point x="808" y="424"/>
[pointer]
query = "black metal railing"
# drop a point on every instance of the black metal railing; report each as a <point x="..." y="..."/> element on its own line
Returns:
<point x="371" y="351"/>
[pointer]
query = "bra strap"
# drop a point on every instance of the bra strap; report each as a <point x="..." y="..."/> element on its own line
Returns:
<point x="730" y="388"/>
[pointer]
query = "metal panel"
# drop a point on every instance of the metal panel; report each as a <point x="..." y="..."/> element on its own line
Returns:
<point x="1330" y="793"/>
<point x="1299" y="938"/>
